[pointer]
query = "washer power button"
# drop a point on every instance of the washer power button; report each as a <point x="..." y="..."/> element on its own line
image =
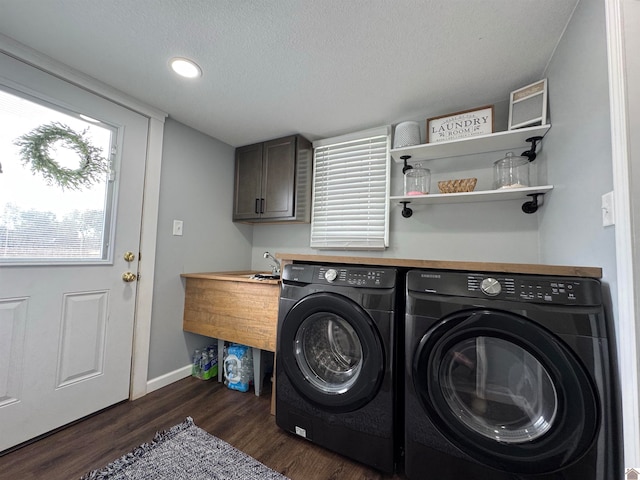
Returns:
<point x="490" y="286"/>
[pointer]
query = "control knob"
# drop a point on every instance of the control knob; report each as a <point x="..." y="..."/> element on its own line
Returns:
<point x="330" y="275"/>
<point x="490" y="286"/>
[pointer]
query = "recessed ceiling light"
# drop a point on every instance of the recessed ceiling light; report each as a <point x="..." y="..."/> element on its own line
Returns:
<point x="185" y="67"/>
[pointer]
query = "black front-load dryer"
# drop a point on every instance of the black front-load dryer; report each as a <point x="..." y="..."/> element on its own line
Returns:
<point x="335" y="359"/>
<point x="509" y="377"/>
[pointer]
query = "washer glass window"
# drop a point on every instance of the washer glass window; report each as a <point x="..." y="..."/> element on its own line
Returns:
<point x="328" y="352"/>
<point x="498" y="389"/>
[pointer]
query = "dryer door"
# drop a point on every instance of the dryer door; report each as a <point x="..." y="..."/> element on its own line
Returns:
<point x="506" y="391"/>
<point x="332" y="352"/>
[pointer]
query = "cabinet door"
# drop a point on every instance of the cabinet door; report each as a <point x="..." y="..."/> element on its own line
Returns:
<point x="247" y="196"/>
<point x="278" y="178"/>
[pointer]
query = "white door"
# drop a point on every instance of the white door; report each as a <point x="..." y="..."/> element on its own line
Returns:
<point x="66" y="314"/>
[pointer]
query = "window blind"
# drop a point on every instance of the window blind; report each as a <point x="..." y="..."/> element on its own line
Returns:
<point x="350" y="191"/>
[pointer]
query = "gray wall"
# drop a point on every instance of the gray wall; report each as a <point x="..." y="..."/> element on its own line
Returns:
<point x="632" y="45"/>
<point x="484" y="232"/>
<point x="577" y="150"/>
<point x="631" y="10"/>
<point x="575" y="158"/>
<point x="197" y="173"/>
<point x="196" y="187"/>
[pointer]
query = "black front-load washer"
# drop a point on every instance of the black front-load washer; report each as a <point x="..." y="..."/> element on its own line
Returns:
<point x="509" y="377"/>
<point x="335" y="359"/>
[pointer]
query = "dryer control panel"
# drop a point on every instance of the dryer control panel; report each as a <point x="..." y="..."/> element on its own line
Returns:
<point x="528" y="288"/>
<point x="370" y="277"/>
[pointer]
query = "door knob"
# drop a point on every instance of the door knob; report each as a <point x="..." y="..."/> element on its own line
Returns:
<point x="129" y="277"/>
<point x="129" y="256"/>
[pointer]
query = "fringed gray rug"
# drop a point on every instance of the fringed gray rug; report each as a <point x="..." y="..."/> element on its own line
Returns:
<point x="185" y="452"/>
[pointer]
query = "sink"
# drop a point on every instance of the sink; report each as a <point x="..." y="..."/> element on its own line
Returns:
<point x="253" y="275"/>
<point x="266" y="276"/>
<point x="237" y="276"/>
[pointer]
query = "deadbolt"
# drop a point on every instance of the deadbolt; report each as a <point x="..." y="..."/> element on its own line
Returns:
<point x="129" y="256"/>
<point x="129" y="277"/>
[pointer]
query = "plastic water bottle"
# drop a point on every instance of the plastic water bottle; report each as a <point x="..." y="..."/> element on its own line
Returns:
<point x="212" y="352"/>
<point x="246" y="372"/>
<point x="196" y="369"/>
<point x="205" y="366"/>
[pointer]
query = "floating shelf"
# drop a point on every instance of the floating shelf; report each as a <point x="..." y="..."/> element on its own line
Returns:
<point x="472" y="197"/>
<point x="529" y="194"/>
<point x="493" y="142"/>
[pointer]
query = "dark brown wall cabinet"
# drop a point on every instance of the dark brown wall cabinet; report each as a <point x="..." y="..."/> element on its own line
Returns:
<point x="273" y="181"/>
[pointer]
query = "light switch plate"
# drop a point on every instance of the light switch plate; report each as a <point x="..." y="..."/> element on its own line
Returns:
<point x="177" y="227"/>
<point x="608" y="210"/>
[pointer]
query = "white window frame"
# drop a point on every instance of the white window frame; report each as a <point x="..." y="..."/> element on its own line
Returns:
<point x="351" y="182"/>
<point x="108" y="234"/>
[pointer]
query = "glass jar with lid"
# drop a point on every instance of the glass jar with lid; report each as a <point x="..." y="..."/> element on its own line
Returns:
<point x="511" y="172"/>
<point x="417" y="180"/>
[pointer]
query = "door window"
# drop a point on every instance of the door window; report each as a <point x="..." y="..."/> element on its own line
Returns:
<point x="328" y="352"/>
<point x="498" y="389"/>
<point x="42" y="220"/>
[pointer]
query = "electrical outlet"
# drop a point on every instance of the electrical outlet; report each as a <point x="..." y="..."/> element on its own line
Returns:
<point x="177" y="227"/>
<point x="608" y="210"/>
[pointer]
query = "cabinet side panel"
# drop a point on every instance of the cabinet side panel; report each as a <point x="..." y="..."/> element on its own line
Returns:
<point x="304" y="179"/>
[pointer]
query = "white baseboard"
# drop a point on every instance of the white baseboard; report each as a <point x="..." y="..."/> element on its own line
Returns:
<point x="168" y="378"/>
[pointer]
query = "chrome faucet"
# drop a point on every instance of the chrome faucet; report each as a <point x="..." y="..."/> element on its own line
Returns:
<point x="275" y="269"/>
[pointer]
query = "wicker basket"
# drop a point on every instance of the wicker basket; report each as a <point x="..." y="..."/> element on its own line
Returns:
<point x="457" y="186"/>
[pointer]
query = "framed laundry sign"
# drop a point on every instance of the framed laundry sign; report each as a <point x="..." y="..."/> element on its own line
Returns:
<point x="454" y="126"/>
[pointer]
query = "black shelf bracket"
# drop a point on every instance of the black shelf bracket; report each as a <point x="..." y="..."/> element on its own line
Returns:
<point x="406" y="211"/>
<point x="531" y="153"/>
<point x="406" y="166"/>
<point x="532" y="205"/>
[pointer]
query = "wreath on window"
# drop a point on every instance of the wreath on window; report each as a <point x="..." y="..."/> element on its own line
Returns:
<point x="35" y="149"/>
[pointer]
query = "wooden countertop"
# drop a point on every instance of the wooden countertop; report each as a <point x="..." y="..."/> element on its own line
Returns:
<point x="524" y="268"/>
<point x="236" y="276"/>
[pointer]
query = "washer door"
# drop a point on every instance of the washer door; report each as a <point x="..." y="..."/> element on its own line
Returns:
<point x="506" y="391"/>
<point x="332" y="352"/>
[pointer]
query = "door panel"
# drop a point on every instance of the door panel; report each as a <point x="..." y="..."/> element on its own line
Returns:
<point x="279" y="177"/>
<point x="247" y="182"/>
<point x="82" y="337"/>
<point x="69" y="325"/>
<point x="13" y="320"/>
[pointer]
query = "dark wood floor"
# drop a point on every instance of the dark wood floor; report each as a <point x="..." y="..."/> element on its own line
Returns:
<point x="241" y="419"/>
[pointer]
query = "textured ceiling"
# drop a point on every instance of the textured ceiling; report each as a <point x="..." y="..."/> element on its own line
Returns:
<point x="316" y="67"/>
